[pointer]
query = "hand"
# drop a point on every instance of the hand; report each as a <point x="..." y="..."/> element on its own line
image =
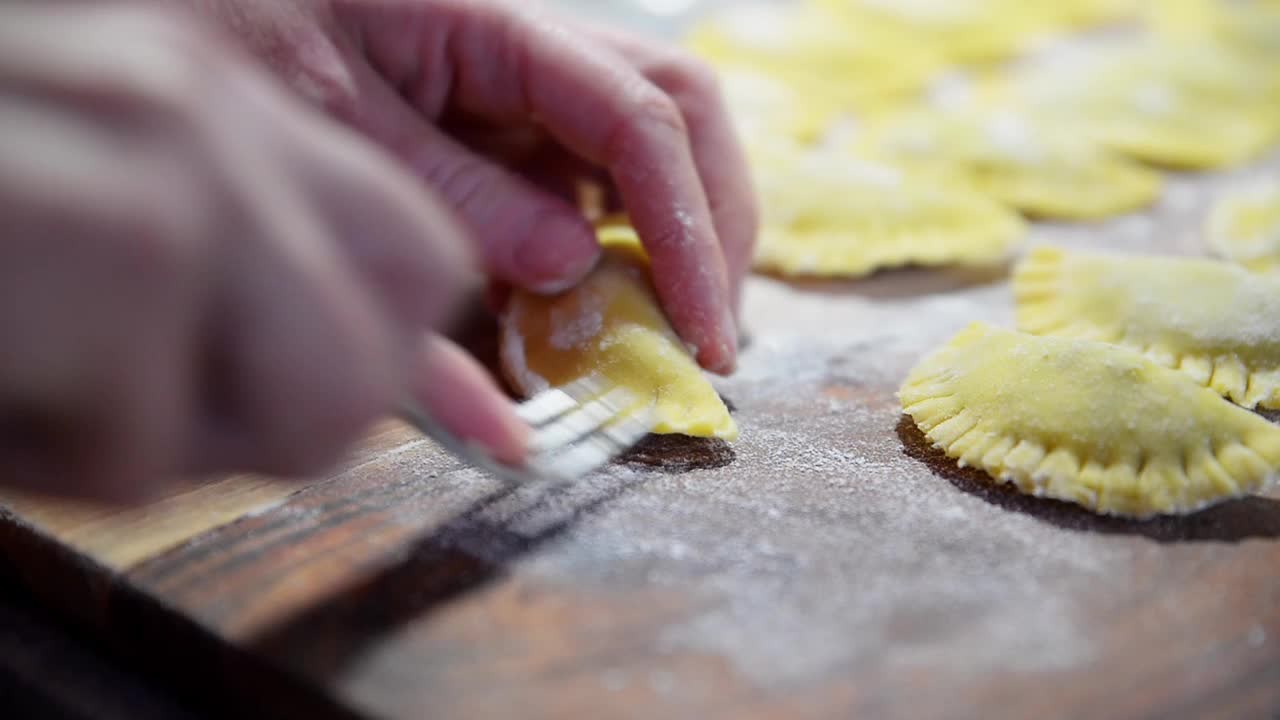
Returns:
<point x="197" y="272"/>
<point x="454" y="86"/>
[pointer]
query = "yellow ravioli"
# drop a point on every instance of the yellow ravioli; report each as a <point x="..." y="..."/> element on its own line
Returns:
<point x="1244" y="226"/>
<point x="1181" y="107"/>
<point x="1251" y="28"/>
<point x="828" y="67"/>
<point x="611" y="326"/>
<point x="1164" y="125"/>
<point x="963" y="31"/>
<point x="828" y="217"/>
<point x="1022" y="161"/>
<point x="1087" y="422"/>
<point x="1215" y="321"/>
<point x="768" y="109"/>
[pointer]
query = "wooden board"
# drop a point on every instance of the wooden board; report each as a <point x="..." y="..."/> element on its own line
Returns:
<point x="829" y="564"/>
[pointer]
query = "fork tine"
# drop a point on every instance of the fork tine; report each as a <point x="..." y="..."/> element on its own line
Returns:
<point x="551" y="404"/>
<point x="581" y="421"/>
<point x="578" y="427"/>
<point x="594" y="449"/>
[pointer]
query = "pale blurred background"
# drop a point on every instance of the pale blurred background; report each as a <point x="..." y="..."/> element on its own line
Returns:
<point x="660" y="17"/>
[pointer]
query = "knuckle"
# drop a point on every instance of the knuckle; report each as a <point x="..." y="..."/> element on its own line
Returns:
<point x="688" y="76"/>
<point x="658" y="110"/>
<point x="317" y="71"/>
<point x="651" y="113"/>
<point x="466" y="182"/>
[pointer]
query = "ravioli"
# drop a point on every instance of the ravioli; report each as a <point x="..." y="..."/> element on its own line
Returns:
<point x="611" y="325"/>
<point x="964" y="31"/>
<point x="767" y="110"/>
<point x="797" y="40"/>
<point x="1022" y="161"/>
<point x="833" y="217"/>
<point x="1187" y="108"/>
<point x="1164" y="125"/>
<point x="1216" y="322"/>
<point x="1250" y="28"/>
<point x="1088" y="423"/>
<point x="1244" y="226"/>
<point x="821" y="70"/>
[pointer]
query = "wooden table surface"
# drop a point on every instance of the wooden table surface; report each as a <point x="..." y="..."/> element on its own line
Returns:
<point x="828" y="564"/>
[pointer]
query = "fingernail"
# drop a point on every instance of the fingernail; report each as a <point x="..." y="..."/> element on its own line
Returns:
<point x="557" y="254"/>
<point x="730" y="347"/>
<point x="720" y="354"/>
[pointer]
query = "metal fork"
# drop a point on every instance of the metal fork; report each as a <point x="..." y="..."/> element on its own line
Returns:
<point x="577" y="428"/>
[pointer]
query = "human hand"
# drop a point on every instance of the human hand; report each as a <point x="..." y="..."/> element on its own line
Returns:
<point x="198" y="273"/>
<point x="468" y="92"/>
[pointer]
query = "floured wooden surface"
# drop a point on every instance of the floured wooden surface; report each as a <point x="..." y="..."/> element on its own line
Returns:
<point x="833" y="566"/>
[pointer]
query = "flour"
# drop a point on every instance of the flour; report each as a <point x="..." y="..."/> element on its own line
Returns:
<point x="574" y="328"/>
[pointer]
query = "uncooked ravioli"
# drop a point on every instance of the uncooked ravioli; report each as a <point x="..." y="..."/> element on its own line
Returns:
<point x="963" y="31"/>
<point x="1037" y="166"/>
<point x="611" y="326"/>
<point x="1244" y="226"/>
<point x="1176" y="106"/>
<point x="840" y="217"/>
<point x="1087" y="422"/>
<point x="1215" y="321"/>
<point x="832" y="68"/>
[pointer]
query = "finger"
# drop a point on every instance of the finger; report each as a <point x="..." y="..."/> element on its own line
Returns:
<point x="308" y="360"/>
<point x="721" y="161"/>
<point x="97" y="290"/>
<point x="404" y="242"/>
<point x="528" y="237"/>
<point x="513" y="65"/>
<point x="463" y="397"/>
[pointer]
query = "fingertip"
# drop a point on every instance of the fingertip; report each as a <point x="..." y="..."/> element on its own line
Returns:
<point x="463" y="397"/>
<point x="721" y="355"/>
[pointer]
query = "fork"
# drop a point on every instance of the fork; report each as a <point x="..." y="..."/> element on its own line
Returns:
<point x="577" y="428"/>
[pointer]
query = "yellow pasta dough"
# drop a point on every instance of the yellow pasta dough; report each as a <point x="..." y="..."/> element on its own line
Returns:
<point x="833" y="217"/>
<point x="827" y="68"/>
<point x="964" y="31"/>
<point x="1251" y="28"/>
<point x="1244" y="226"/>
<point x="611" y="326"/>
<point x="1087" y="422"/>
<point x="1032" y="165"/>
<point x="1191" y="108"/>
<point x="766" y="108"/>
<point x="1215" y="321"/>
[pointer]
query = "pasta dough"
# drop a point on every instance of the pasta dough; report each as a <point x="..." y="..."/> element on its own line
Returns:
<point x="1244" y="226"/>
<point x="1020" y="160"/>
<point x="611" y="325"/>
<point x="1191" y="108"/>
<point x="828" y="217"/>
<point x="1251" y="28"/>
<point x="964" y="31"/>
<point x="818" y="70"/>
<point x="1215" y="321"/>
<point x="1088" y="423"/>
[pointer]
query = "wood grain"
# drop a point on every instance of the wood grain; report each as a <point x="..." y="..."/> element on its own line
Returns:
<point x="120" y="537"/>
